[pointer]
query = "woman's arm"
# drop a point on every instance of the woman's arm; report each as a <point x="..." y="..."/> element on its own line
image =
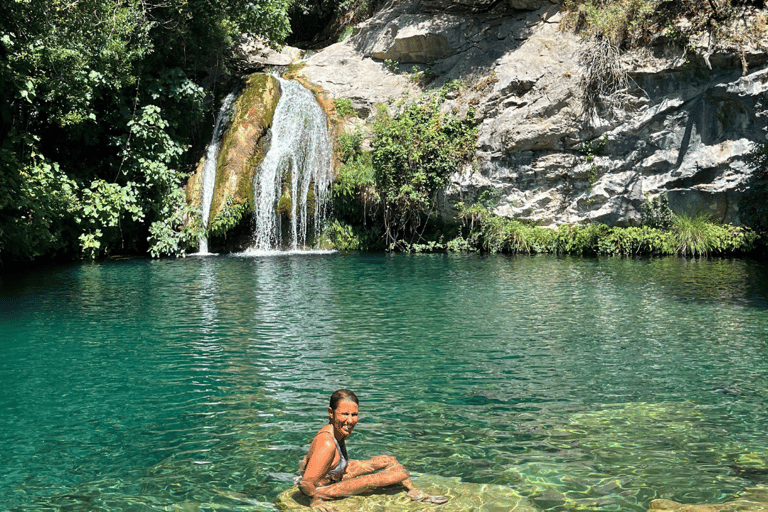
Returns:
<point x="319" y="461"/>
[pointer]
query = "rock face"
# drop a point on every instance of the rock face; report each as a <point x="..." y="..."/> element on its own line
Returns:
<point x="463" y="497"/>
<point x="684" y="129"/>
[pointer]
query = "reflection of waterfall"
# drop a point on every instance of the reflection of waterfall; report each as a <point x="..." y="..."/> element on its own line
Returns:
<point x="295" y="174"/>
<point x="209" y="171"/>
<point x="206" y="298"/>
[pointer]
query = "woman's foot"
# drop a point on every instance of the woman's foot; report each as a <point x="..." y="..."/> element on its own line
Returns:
<point x="417" y="495"/>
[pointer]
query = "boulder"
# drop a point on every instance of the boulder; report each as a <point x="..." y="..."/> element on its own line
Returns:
<point x="255" y="54"/>
<point x="482" y="6"/>
<point x="463" y="497"/>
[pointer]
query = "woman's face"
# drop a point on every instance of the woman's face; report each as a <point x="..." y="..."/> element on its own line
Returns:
<point x="343" y="419"/>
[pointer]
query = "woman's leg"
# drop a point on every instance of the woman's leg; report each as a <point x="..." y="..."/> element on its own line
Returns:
<point x="381" y="471"/>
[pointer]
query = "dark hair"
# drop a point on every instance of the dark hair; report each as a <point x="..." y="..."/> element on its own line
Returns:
<point x="342" y="394"/>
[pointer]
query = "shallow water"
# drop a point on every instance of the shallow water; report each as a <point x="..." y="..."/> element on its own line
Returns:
<point x="196" y="384"/>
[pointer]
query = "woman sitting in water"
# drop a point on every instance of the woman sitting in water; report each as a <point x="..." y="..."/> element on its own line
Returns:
<point x="326" y="473"/>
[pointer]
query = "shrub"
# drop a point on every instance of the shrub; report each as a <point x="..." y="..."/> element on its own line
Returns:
<point x="656" y="213"/>
<point x="687" y="237"/>
<point x="343" y="107"/>
<point x="414" y="152"/>
<point x="349" y="146"/>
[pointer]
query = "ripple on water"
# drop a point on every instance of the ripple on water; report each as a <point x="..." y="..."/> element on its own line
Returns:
<point x="593" y="384"/>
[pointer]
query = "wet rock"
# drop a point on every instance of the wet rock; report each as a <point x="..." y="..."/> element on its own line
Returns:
<point x="241" y="147"/>
<point x="463" y="497"/>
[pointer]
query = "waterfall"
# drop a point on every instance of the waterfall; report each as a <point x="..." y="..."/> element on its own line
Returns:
<point x="209" y="171"/>
<point x="295" y="175"/>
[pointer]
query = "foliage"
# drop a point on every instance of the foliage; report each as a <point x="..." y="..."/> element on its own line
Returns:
<point x="178" y="230"/>
<point x="414" y="152"/>
<point x="618" y="22"/>
<point x="98" y="110"/>
<point x="343" y="107"/>
<point x="657" y="214"/>
<point x="633" y="23"/>
<point x="229" y="217"/>
<point x="350" y="146"/>
<point x="355" y="198"/>
<point x="312" y="18"/>
<point x="345" y="33"/>
<point x="688" y="237"/>
<point x="343" y="236"/>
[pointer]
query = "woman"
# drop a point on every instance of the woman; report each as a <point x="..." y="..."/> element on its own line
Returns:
<point x="326" y="473"/>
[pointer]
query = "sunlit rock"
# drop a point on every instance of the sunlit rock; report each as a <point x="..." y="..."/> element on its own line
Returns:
<point x="254" y="54"/>
<point x="685" y="129"/>
<point x="463" y="497"/>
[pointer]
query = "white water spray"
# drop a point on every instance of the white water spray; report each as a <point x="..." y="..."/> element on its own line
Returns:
<point x="299" y="159"/>
<point x="209" y="171"/>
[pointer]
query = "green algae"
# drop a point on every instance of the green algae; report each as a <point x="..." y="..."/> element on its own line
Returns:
<point x="754" y="499"/>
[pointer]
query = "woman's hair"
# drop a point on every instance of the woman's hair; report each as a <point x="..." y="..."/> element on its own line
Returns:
<point x="342" y="394"/>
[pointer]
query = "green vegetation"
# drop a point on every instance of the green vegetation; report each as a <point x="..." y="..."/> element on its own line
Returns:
<point x="100" y="104"/>
<point x="343" y="107"/>
<point x="687" y="237"/>
<point x="414" y="152"/>
<point x="657" y="214"/>
<point x="622" y="22"/>
<point x="326" y="21"/>
<point x="388" y="197"/>
<point x="634" y="23"/>
<point x="590" y="152"/>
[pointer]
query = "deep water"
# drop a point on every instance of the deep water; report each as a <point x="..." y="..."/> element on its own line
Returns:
<point x="197" y="383"/>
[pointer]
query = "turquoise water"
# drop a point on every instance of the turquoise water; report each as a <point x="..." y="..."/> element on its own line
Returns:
<point x="196" y="384"/>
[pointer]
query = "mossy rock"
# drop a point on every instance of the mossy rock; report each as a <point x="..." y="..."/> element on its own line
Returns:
<point x="242" y="147"/>
<point x="194" y="188"/>
<point x="463" y="497"/>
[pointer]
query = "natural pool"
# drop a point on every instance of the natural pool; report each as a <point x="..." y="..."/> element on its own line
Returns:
<point x="196" y="384"/>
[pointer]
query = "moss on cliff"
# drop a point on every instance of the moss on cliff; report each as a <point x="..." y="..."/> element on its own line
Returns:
<point x="242" y="149"/>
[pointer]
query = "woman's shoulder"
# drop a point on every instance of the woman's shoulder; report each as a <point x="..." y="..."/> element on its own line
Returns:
<point x="325" y="436"/>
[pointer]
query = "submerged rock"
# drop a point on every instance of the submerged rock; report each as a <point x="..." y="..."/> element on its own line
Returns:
<point x="464" y="497"/>
<point x="752" y="500"/>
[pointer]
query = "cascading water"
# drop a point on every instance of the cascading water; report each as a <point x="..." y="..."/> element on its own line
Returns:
<point x="295" y="173"/>
<point x="209" y="170"/>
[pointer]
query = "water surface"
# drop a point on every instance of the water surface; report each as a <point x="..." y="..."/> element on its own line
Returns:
<point x="583" y="383"/>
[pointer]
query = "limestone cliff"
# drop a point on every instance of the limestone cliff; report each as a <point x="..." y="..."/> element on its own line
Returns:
<point x="687" y="120"/>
